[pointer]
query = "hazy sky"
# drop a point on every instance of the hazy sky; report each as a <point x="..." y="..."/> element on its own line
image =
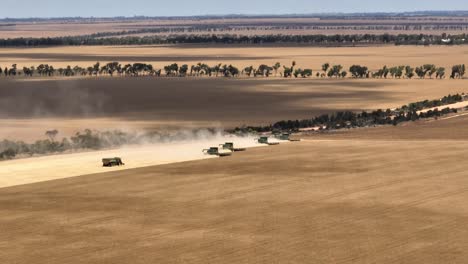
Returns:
<point x="86" y="8"/>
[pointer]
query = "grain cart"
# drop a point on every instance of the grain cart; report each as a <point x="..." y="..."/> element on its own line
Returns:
<point x="111" y="162"/>
<point x="230" y="146"/>
<point x="264" y="140"/>
<point x="215" y="151"/>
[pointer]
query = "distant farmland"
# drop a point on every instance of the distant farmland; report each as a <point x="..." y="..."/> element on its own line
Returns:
<point x="428" y="23"/>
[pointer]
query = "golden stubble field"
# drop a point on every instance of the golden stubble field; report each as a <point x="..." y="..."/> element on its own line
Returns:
<point x="384" y="199"/>
<point x="238" y="55"/>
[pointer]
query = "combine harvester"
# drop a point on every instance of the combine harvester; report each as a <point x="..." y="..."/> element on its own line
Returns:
<point x="230" y="146"/>
<point x="286" y="137"/>
<point x="265" y="140"/>
<point x="215" y="151"/>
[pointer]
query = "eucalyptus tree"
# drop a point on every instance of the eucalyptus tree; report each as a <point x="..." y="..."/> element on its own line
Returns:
<point x="248" y="70"/>
<point x="440" y="73"/>
<point x="304" y="73"/>
<point x="458" y="71"/>
<point x="276" y="67"/>
<point x="358" y="71"/>
<point x="216" y="69"/>
<point x="325" y="67"/>
<point x="409" y="72"/>
<point x="420" y="72"/>
<point x="183" y="70"/>
<point x="264" y="70"/>
<point x="429" y="69"/>
<point x="382" y="73"/>
<point x="13" y="70"/>
<point x="287" y="72"/>
<point x="171" y="70"/>
<point x="335" y="71"/>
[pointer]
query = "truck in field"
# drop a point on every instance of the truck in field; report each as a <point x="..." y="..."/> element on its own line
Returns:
<point x="111" y="162"/>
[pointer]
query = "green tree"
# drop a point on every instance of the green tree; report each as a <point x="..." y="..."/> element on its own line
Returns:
<point x="358" y="71"/>
<point x="325" y="67"/>
<point x="276" y="67"/>
<point x="335" y="71"/>
<point x="440" y="73"/>
<point x="287" y="72"/>
<point x="420" y="72"/>
<point x="429" y="69"/>
<point x="183" y="70"/>
<point x="409" y="72"/>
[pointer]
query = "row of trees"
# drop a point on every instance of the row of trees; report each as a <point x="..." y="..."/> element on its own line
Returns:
<point x="348" y="119"/>
<point x="263" y="70"/>
<point x="427" y="70"/>
<point x="418" y="106"/>
<point x="317" y="39"/>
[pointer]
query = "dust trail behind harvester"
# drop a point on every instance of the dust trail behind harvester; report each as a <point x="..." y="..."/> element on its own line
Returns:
<point x="37" y="169"/>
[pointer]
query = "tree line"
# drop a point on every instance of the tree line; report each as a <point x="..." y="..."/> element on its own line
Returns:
<point x="225" y="70"/>
<point x="348" y="119"/>
<point x="109" y="38"/>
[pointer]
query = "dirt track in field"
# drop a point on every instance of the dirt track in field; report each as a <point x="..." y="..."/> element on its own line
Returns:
<point x="370" y="200"/>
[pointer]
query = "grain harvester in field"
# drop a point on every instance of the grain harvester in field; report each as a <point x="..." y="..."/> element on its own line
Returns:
<point x="230" y="146"/>
<point x="266" y="140"/>
<point x="215" y="151"/>
<point x="286" y="136"/>
<point x="111" y="162"/>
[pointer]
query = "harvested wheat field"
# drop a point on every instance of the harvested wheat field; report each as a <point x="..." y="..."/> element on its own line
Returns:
<point x="241" y="56"/>
<point x="319" y="201"/>
<point x="29" y="108"/>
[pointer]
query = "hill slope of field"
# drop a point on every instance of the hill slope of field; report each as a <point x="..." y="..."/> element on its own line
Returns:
<point x="322" y="201"/>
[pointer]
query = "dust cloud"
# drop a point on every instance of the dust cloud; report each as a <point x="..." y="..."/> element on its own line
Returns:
<point x="45" y="168"/>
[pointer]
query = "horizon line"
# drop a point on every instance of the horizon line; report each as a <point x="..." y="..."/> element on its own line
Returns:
<point x="415" y="13"/>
